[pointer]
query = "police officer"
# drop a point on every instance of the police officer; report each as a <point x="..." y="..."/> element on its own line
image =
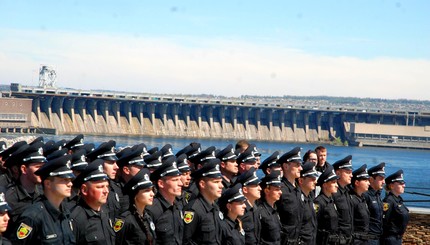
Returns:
<point x="4" y="217"/>
<point x="130" y="163"/>
<point x="78" y="163"/>
<point x="26" y="190"/>
<point x="199" y="160"/>
<point x="307" y="183"/>
<point x="135" y="226"/>
<point x="153" y="160"/>
<point x="117" y="203"/>
<point x="166" y="212"/>
<point x="228" y="166"/>
<point x="290" y="207"/>
<point x="251" y="218"/>
<point x="342" y="198"/>
<point x="6" y="176"/>
<point x="202" y="216"/>
<point x="91" y="223"/>
<point x="269" y="217"/>
<point x="74" y="144"/>
<point x="48" y="221"/>
<point x="326" y="210"/>
<point x="246" y="160"/>
<point x="374" y="202"/>
<point x="232" y="204"/>
<point x="396" y="214"/>
<point x="360" y="185"/>
<point x="184" y="168"/>
<point x="271" y="163"/>
<point x="191" y="150"/>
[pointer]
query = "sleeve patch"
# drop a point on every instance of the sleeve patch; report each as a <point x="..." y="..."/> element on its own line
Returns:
<point x="23" y="231"/>
<point x="119" y="223"/>
<point x="188" y="217"/>
<point x="386" y="206"/>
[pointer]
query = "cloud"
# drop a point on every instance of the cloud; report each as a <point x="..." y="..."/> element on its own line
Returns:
<point x="196" y="65"/>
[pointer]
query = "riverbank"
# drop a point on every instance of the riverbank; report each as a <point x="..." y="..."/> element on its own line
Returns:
<point x="418" y="231"/>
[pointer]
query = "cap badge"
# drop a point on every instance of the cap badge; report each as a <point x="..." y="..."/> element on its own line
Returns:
<point x="174" y="165"/>
<point x="213" y="153"/>
<point x="217" y="167"/>
<point x="40" y="151"/>
<point x="255" y="174"/>
<point x="68" y="164"/>
<point x="3" y="147"/>
<point x="83" y="158"/>
<point x="383" y="169"/>
<point x="277" y="157"/>
<point x="198" y="149"/>
<point x="255" y="149"/>
<point x="81" y="140"/>
<point x="279" y="177"/>
<point x="170" y="151"/>
<point x="2" y="199"/>
<point x="240" y="191"/>
<point x="112" y="149"/>
<point x="232" y="150"/>
<point x="298" y="154"/>
<point x="100" y="168"/>
<point x="159" y="158"/>
<point x="401" y="176"/>
<point x="146" y="177"/>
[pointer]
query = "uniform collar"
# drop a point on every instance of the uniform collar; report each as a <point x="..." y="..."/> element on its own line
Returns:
<point x="163" y="201"/>
<point x="208" y="207"/>
<point x="55" y="213"/>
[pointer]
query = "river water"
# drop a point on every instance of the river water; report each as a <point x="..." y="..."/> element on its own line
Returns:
<point x="415" y="163"/>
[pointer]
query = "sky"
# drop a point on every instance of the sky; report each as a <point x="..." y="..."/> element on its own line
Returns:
<point x="366" y="48"/>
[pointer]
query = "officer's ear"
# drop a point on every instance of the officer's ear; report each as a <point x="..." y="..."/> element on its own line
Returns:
<point x="160" y="183"/>
<point x="126" y="170"/>
<point x="245" y="190"/>
<point x="23" y="169"/>
<point x="202" y="183"/>
<point x="84" y="189"/>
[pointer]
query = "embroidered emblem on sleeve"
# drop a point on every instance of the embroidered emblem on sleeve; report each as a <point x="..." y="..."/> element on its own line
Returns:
<point x="316" y="207"/>
<point x="386" y="206"/>
<point x="23" y="231"/>
<point x="188" y="217"/>
<point x="119" y="223"/>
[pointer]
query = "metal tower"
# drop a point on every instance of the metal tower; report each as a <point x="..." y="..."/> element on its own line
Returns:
<point x="47" y="77"/>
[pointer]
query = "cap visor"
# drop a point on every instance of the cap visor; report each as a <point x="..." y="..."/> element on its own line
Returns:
<point x="241" y="199"/>
<point x="214" y="176"/>
<point x="66" y="176"/>
<point x="5" y="207"/>
<point x="110" y="158"/>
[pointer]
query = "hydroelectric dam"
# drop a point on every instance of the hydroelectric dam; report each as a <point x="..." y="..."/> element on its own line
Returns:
<point x="74" y="111"/>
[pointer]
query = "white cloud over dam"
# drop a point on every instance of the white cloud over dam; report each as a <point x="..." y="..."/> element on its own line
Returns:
<point x="223" y="66"/>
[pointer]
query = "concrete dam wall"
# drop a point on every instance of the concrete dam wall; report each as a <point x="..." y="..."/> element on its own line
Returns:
<point x="71" y="111"/>
<point x="112" y="117"/>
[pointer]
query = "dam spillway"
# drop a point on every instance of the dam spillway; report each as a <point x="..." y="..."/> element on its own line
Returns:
<point x="70" y="111"/>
